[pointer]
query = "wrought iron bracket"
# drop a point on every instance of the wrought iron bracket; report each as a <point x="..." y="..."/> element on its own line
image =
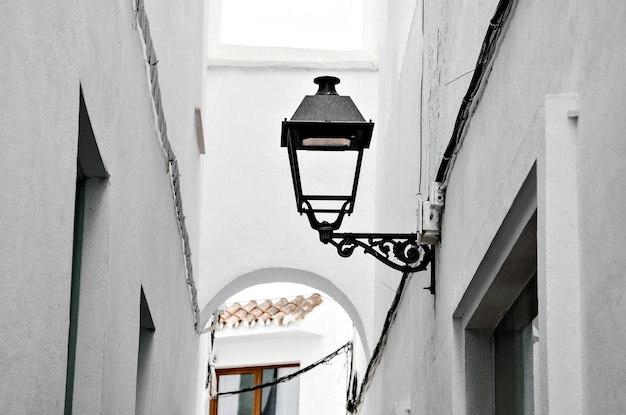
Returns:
<point x="398" y="251"/>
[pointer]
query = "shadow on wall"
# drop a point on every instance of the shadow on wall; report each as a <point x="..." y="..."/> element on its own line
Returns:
<point x="298" y="276"/>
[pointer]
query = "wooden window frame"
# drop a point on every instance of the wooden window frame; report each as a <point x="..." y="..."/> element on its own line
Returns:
<point x="257" y="371"/>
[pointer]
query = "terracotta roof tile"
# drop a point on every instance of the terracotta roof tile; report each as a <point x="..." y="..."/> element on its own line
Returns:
<point x="281" y="312"/>
<point x="233" y="307"/>
<point x="250" y="306"/>
<point x="264" y="305"/>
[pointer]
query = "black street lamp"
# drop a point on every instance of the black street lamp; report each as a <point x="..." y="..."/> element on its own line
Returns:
<point x="331" y="127"/>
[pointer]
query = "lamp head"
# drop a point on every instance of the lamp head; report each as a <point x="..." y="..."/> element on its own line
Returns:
<point x="330" y="123"/>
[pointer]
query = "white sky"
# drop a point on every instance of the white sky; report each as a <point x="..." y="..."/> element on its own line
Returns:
<point x="313" y="24"/>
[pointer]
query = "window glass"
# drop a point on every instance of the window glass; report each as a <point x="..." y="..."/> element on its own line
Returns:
<point x="516" y="355"/>
<point x="282" y="398"/>
<point x="330" y="174"/>
<point x="240" y="404"/>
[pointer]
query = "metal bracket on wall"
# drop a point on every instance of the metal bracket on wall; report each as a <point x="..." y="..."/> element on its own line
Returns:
<point x="401" y="251"/>
<point x="398" y="251"/>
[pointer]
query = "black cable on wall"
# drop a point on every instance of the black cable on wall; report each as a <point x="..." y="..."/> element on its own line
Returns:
<point x="479" y="78"/>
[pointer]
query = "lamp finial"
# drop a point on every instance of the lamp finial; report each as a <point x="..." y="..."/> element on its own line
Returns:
<point x="326" y="85"/>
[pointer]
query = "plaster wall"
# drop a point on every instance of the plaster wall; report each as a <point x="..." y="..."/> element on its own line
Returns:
<point x="131" y="235"/>
<point x="250" y="221"/>
<point x="503" y="146"/>
<point x="407" y="367"/>
<point x="563" y="47"/>
<point x="181" y="64"/>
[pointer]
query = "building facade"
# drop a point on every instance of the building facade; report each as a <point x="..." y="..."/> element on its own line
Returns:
<point x="527" y="143"/>
<point x="101" y="153"/>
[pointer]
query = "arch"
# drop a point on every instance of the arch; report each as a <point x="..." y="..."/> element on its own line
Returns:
<point x="298" y="276"/>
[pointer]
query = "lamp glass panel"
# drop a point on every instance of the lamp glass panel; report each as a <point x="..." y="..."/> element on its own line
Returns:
<point x="327" y="172"/>
<point x="328" y="142"/>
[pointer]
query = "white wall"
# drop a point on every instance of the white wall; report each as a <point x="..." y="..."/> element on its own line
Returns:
<point x="564" y="47"/>
<point x="402" y="370"/>
<point x="131" y="235"/>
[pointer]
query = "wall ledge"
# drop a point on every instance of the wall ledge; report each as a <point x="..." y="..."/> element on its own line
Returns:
<point x="225" y="55"/>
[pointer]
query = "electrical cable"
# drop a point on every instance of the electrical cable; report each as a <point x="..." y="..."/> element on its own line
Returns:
<point x="141" y="19"/>
<point x="349" y="375"/>
<point x="488" y="50"/>
<point x="355" y="402"/>
<point x="345" y="348"/>
<point x="421" y="120"/>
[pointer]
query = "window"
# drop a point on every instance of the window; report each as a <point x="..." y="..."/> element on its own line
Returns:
<point x="143" y="392"/>
<point x="496" y="320"/>
<point x="279" y="399"/>
<point x="89" y="168"/>
<point x="515" y="355"/>
<point x="79" y="214"/>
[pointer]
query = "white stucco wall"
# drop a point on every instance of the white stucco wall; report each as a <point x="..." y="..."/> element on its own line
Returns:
<point x="402" y="371"/>
<point x="501" y="149"/>
<point x="564" y="47"/>
<point x="181" y="71"/>
<point x="131" y="234"/>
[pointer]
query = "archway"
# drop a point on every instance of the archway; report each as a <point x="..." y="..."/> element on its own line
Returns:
<point x="269" y="275"/>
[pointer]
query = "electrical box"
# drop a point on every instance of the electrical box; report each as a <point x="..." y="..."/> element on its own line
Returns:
<point x="436" y="198"/>
<point x="429" y="216"/>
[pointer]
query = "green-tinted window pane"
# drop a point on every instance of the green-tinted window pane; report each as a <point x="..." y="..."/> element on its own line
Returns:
<point x="281" y="398"/>
<point x="240" y="404"/>
<point x="514" y="356"/>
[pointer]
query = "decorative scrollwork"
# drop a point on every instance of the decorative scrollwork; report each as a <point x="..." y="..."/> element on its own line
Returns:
<point x="399" y="251"/>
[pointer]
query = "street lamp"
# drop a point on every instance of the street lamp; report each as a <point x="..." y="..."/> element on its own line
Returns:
<point x="325" y="140"/>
